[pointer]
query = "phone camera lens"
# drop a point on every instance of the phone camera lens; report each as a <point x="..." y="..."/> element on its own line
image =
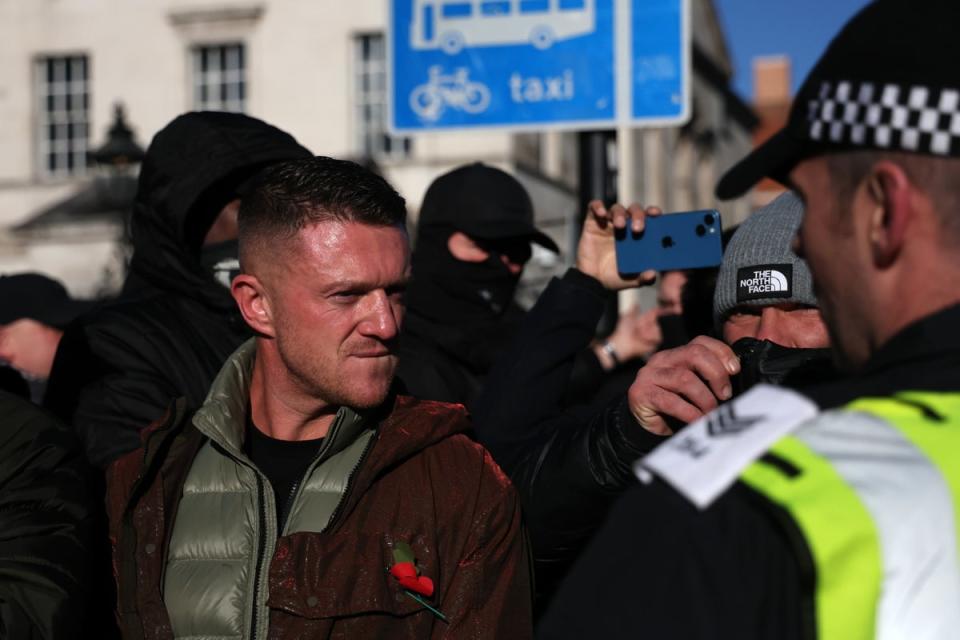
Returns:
<point x="708" y="219"/>
<point x="701" y="230"/>
<point x="667" y="242"/>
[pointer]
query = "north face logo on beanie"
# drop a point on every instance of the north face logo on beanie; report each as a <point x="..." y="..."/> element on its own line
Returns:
<point x="764" y="281"/>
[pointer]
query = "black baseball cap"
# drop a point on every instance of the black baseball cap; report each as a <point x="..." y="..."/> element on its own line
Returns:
<point x="483" y="202"/>
<point x="888" y="81"/>
<point x="34" y="295"/>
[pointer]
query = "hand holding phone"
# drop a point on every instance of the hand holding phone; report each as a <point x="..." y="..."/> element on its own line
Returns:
<point x="596" y="256"/>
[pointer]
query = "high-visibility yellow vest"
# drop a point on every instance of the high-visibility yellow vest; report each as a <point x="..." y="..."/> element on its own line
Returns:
<point x="875" y="490"/>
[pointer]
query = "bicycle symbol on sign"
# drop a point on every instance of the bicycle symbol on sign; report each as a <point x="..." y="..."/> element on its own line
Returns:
<point x="457" y="91"/>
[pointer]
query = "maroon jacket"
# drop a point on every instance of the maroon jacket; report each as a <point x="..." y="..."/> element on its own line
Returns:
<point x="422" y="482"/>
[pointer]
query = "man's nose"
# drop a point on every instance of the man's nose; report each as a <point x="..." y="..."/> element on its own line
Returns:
<point x="771" y="327"/>
<point x="382" y="319"/>
<point x="515" y="268"/>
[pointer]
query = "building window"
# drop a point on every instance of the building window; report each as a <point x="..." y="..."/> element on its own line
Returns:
<point x="219" y="78"/>
<point x="370" y="99"/>
<point x="63" y="108"/>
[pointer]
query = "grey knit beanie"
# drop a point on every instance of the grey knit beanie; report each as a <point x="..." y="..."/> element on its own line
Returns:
<point x="759" y="268"/>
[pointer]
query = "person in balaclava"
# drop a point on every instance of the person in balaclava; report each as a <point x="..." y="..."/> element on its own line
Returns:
<point x="120" y="367"/>
<point x="473" y="240"/>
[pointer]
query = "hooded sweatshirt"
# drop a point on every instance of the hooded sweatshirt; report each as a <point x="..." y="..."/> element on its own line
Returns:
<point x="119" y="367"/>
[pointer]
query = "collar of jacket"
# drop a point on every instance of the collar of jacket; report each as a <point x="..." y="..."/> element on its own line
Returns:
<point x="923" y="355"/>
<point x="928" y="336"/>
<point x="223" y="416"/>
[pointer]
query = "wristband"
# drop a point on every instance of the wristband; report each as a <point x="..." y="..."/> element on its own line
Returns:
<point x="608" y="349"/>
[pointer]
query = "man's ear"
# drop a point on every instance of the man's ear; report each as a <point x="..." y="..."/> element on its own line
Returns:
<point x="462" y="247"/>
<point x="888" y="195"/>
<point x="254" y="303"/>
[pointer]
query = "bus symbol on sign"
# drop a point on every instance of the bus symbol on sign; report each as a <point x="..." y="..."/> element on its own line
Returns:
<point x="453" y="25"/>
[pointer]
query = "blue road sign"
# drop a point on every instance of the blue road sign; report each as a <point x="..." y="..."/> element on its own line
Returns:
<point x="574" y="64"/>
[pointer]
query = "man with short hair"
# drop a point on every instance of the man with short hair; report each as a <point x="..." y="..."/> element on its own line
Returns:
<point x="832" y="515"/>
<point x="304" y="499"/>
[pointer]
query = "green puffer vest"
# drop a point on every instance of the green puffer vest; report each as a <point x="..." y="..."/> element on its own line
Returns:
<point x="225" y="529"/>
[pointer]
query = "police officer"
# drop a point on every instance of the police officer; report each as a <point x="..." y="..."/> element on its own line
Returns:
<point x="833" y="514"/>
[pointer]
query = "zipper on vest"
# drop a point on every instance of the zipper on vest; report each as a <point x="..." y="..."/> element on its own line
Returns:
<point x="349" y="484"/>
<point x="288" y="503"/>
<point x="329" y="440"/>
<point x="261" y="549"/>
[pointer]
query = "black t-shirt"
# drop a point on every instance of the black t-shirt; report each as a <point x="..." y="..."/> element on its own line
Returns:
<point x="284" y="462"/>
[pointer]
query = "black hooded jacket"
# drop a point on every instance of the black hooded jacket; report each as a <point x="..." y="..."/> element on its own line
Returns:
<point x="166" y="336"/>
<point x="459" y="317"/>
<point x="48" y="529"/>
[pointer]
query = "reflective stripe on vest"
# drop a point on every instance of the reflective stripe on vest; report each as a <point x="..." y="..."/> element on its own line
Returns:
<point x="875" y="501"/>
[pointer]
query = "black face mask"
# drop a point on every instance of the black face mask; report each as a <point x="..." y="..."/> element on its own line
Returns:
<point x="765" y="361"/>
<point x="447" y="289"/>
<point x="673" y="330"/>
<point x="221" y="261"/>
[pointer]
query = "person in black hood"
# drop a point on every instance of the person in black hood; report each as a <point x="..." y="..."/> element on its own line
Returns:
<point x="473" y="239"/>
<point x="118" y="368"/>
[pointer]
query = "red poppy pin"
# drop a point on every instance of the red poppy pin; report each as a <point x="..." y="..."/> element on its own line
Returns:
<point x="406" y="572"/>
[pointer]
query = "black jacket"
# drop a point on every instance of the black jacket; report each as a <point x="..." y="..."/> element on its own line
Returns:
<point x="568" y="463"/>
<point x="118" y="367"/>
<point x="444" y="361"/>
<point x="47" y="525"/>
<point x="659" y="568"/>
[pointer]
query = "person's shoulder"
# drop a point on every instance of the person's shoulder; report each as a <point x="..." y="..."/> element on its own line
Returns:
<point x="142" y="330"/>
<point x="175" y="423"/>
<point x="409" y="405"/>
<point x="36" y="447"/>
<point x="706" y="458"/>
<point x="429" y="421"/>
<point x="427" y="372"/>
<point x="26" y="424"/>
<point x="114" y="323"/>
<point x="442" y="433"/>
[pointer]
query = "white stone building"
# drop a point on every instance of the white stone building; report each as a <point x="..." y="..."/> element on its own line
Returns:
<point x="312" y="67"/>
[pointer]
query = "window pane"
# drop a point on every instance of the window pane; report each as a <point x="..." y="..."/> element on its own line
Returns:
<point x="495" y="7"/>
<point x="572" y="4"/>
<point x="458" y="10"/>
<point x="62" y="103"/>
<point x="370" y="98"/>
<point x="530" y="6"/>
<point x="219" y="77"/>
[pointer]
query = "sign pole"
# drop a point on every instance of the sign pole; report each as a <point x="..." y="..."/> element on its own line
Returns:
<point x="598" y="181"/>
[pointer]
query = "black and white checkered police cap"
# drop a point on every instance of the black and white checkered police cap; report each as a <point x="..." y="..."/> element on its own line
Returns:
<point x="890" y="81"/>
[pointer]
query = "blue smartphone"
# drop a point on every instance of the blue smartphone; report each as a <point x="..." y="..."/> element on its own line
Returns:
<point x="672" y="242"/>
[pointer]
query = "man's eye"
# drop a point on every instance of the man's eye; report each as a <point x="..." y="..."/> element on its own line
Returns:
<point x="346" y="296"/>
